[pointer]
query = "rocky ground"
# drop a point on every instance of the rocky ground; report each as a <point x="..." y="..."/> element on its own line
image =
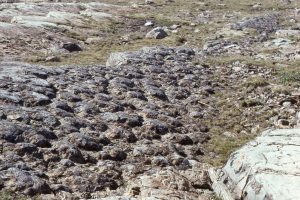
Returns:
<point x="136" y="100"/>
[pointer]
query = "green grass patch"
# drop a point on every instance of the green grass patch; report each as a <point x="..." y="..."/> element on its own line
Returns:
<point x="256" y="82"/>
<point x="10" y="195"/>
<point x="289" y="74"/>
<point x="223" y="147"/>
<point x="290" y="77"/>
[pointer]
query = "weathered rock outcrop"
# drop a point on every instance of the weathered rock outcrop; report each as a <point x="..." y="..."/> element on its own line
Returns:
<point x="43" y="26"/>
<point x="124" y="128"/>
<point x="148" y="124"/>
<point x="266" y="168"/>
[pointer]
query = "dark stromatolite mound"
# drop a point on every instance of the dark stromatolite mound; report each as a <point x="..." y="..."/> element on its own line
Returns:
<point x="267" y="23"/>
<point x="84" y="130"/>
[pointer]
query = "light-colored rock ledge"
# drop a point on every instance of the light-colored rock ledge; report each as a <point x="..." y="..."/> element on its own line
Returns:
<point x="266" y="168"/>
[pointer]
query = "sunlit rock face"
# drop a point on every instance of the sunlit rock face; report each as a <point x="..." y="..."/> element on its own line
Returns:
<point x="265" y="168"/>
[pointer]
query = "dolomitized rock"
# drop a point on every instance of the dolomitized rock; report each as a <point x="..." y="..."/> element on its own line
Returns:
<point x="266" y="168"/>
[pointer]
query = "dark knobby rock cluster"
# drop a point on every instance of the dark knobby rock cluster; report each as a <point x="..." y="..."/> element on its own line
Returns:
<point x="84" y="130"/>
<point x="267" y="23"/>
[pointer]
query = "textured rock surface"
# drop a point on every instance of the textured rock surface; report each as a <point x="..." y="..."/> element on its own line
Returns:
<point x="85" y="131"/>
<point x="266" y="168"/>
<point x="267" y="23"/>
<point x="148" y="124"/>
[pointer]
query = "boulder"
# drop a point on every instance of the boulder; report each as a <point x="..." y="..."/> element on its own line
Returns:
<point x="118" y="58"/>
<point x="71" y="47"/>
<point x="157" y="33"/>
